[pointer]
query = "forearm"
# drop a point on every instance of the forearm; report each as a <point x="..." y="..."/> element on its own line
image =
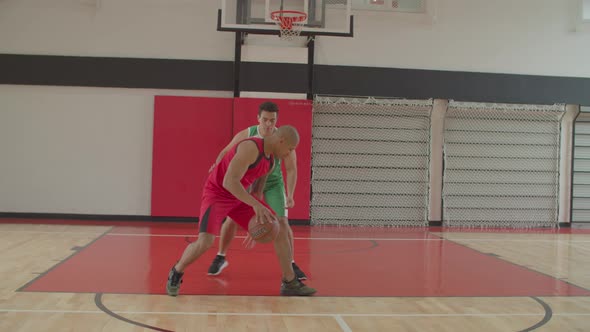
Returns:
<point x="291" y="168"/>
<point x="291" y="182"/>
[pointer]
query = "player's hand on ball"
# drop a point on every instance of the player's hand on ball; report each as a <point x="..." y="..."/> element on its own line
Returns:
<point x="263" y="215"/>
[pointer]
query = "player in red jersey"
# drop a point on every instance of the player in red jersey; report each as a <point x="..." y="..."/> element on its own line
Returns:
<point x="225" y="194"/>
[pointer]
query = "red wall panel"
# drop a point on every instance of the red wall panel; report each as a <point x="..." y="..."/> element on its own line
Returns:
<point x="292" y="112"/>
<point x="189" y="132"/>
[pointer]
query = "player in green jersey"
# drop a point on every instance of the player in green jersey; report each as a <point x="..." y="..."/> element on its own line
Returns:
<point x="274" y="191"/>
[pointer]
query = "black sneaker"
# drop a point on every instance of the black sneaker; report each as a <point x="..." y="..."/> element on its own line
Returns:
<point x="174" y="281"/>
<point x="218" y="264"/>
<point x="296" y="288"/>
<point x="298" y="273"/>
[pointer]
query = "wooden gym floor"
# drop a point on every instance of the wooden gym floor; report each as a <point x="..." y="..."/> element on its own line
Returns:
<point x="58" y="275"/>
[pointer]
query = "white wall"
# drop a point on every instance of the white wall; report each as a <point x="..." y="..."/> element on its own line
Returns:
<point x="499" y="36"/>
<point x="77" y="150"/>
<point x="172" y="29"/>
<point x="88" y="150"/>
<point x="505" y="36"/>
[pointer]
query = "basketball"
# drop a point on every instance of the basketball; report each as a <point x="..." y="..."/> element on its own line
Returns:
<point x="263" y="233"/>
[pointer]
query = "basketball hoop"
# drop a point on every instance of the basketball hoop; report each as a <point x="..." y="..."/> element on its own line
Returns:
<point x="290" y="22"/>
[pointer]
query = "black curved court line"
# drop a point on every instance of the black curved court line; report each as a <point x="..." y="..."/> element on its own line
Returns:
<point x="101" y="306"/>
<point x="546" y="318"/>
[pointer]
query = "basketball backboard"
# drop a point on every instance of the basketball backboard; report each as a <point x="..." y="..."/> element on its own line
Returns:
<point x="324" y="17"/>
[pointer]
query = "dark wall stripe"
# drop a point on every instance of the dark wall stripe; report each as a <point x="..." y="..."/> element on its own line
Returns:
<point x="116" y="72"/>
<point x="274" y="77"/>
<point x="283" y="77"/>
<point x="460" y="86"/>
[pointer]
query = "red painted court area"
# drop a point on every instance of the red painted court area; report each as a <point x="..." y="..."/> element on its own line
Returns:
<point x="339" y="261"/>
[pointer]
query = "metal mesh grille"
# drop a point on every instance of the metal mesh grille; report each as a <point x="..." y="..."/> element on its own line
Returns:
<point x="370" y="161"/>
<point x="501" y="165"/>
<point x="581" y="168"/>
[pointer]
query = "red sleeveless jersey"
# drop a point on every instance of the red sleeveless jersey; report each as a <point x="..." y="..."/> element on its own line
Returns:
<point x="259" y="168"/>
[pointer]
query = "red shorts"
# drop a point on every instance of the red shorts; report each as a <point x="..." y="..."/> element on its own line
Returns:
<point x="214" y="209"/>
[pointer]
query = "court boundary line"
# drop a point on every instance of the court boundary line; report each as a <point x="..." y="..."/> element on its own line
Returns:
<point x="186" y="313"/>
<point x="332" y="296"/>
<point x="41" y="275"/>
<point x="576" y="246"/>
<point x="342" y="323"/>
<point x="515" y="264"/>
<point x="572" y="242"/>
<point x="547" y="315"/>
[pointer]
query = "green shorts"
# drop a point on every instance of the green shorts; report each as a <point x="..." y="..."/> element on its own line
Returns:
<point x="274" y="196"/>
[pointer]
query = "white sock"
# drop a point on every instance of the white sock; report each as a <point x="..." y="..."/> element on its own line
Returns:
<point x="220" y="254"/>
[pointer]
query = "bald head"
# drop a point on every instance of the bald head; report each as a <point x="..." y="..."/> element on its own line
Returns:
<point x="289" y="134"/>
<point x="283" y="141"/>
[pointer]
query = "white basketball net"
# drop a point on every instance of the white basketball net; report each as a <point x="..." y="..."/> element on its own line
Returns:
<point x="290" y="23"/>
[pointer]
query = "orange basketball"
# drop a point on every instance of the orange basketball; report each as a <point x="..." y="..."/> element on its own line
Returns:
<point x="263" y="233"/>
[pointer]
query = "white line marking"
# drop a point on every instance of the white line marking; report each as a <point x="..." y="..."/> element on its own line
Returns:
<point x="342" y="323"/>
<point x="578" y="247"/>
<point x="54" y="232"/>
<point x="40" y="311"/>
<point x="518" y="240"/>
<point x="319" y="238"/>
<point x="334" y="315"/>
<point x="372" y="238"/>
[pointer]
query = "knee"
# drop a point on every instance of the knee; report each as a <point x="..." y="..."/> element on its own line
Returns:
<point x="231" y="225"/>
<point x="284" y="228"/>
<point x="283" y="221"/>
<point x="205" y="240"/>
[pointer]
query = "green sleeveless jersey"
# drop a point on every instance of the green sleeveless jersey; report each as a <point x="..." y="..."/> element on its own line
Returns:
<point x="276" y="176"/>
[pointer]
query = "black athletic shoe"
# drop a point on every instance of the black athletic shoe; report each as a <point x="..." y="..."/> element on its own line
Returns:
<point x="296" y="288"/>
<point x="218" y="264"/>
<point x="174" y="281"/>
<point x="298" y="273"/>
